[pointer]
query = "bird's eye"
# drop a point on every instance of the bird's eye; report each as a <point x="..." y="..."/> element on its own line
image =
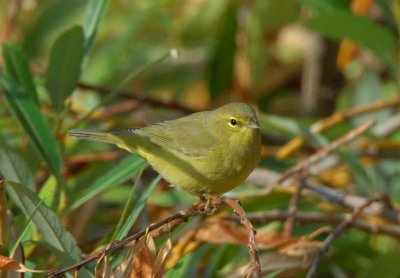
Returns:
<point x="233" y="122"/>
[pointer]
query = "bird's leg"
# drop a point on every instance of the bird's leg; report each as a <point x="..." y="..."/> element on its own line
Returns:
<point x="208" y="204"/>
<point x="211" y="204"/>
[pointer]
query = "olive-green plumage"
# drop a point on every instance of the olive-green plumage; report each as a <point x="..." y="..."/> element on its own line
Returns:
<point x="205" y="153"/>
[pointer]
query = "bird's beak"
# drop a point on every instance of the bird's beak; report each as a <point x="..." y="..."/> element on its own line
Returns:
<point x="254" y="124"/>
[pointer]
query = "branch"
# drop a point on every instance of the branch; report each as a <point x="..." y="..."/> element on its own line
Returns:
<point x="353" y="201"/>
<point x="308" y="217"/>
<point x="288" y="225"/>
<point x="135" y="97"/>
<point x="254" y="269"/>
<point x="168" y="225"/>
<point x="336" y="233"/>
<point x="326" y="150"/>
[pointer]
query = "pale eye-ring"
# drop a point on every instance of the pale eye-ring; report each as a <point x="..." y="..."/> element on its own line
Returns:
<point x="233" y="122"/>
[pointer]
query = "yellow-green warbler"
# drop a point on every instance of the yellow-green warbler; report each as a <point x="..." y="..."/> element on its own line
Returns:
<point x="205" y="153"/>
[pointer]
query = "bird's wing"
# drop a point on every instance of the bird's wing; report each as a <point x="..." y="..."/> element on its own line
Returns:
<point x="189" y="135"/>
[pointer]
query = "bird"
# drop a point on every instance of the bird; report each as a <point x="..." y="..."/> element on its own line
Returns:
<point x="206" y="153"/>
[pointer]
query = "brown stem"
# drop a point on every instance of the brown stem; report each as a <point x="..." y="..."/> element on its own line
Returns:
<point x="350" y="201"/>
<point x="336" y="233"/>
<point x="288" y="225"/>
<point x="169" y="224"/>
<point x="255" y="266"/>
<point x="327" y="150"/>
<point x="136" y="97"/>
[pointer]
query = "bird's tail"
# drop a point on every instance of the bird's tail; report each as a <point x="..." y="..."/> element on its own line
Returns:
<point x="118" y="138"/>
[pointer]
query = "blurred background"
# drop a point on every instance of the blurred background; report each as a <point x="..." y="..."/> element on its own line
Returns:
<point x="314" y="70"/>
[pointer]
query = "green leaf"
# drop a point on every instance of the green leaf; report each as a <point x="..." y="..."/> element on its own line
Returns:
<point x="137" y="209"/>
<point x="384" y="266"/>
<point x="340" y="25"/>
<point x="94" y="12"/>
<point x="65" y="260"/>
<point x="362" y="182"/>
<point x="29" y="116"/>
<point x="221" y="72"/>
<point x="25" y="229"/>
<point x="64" y="67"/>
<point x="128" y="206"/>
<point x="45" y="219"/>
<point x="116" y="175"/>
<point x="17" y="66"/>
<point x="14" y="167"/>
<point x="319" y="6"/>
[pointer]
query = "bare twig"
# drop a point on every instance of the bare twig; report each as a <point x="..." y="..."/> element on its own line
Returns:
<point x="86" y="158"/>
<point x="342" y="116"/>
<point x="306" y="217"/>
<point x="135" y="96"/>
<point x="10" y="20"/>
<point x="336" y="233"/>
<point x="288" y="225"/>
<point x="353" y="201"/>
<point x="326" y="150"/>
<point x="3" y="218"/>
<point x="169" y="224"/>
<point x="255" y="267"/>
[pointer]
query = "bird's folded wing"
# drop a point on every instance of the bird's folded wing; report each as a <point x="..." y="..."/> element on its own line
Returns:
<point x="189" y="135"/>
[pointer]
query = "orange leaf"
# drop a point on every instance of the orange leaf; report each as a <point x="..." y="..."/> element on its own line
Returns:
<point x="7" y="263"/>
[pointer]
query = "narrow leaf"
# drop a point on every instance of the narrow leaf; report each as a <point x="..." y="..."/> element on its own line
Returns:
<point x="116" y="175"/>
<point x="25" y="229"/>
<point x="137" y="209"/>
<point x="345" y="25"/>
<point x="65" y="260"/>
<point x="29" y="116"/>
<point x="64" y="67"/>
<point x="128" y="205"/>
<point x="94" y="12"/>
<point x="17" y="66"/>
<point x="221" y="72"/>
<point x="45" y="219"/>
<point x="14" y="167"/>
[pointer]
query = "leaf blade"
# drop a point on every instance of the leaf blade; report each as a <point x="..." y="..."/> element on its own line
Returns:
<point x="94" y="12"/>
<point x="45" y="219"/>
<point x="17" y="66"/>
<point x="29" y="116"/>
<point x="64" y="67"/>
<point x="116" y="175"/>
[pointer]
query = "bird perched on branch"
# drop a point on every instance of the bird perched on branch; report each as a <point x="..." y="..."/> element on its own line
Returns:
<point x="206" y="153"/>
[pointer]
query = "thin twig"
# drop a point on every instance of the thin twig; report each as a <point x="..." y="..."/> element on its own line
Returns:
<point x="288" y="225"/>
<point x="86" y="158"/>
<point x="311" y="217"/>
<point x="336" y="233"/>
<point x="134" y="95"/>
<point x="255" y="266"/>
<point x="350" y="201"/>
<point x="327" y="150"/>
<point x="342" y="116"/>
<point x="10" y="20"/>
<point x="169" y="224"/>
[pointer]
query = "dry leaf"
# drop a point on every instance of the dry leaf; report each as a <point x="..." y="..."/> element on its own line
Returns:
<point x="186" y="244"/>
<point x="143" y="260"/>
<point x="10" y="264"/>
<point x="7" y="263"/>
<point x="227" y="231"/>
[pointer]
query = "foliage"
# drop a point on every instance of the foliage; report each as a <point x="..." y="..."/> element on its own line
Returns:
<point x="314" y="69"/>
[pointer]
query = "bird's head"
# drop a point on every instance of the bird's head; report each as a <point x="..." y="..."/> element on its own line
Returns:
<point x="235" y="119"/>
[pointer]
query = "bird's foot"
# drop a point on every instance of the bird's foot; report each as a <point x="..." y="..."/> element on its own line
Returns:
<point x="208" y="205"/>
